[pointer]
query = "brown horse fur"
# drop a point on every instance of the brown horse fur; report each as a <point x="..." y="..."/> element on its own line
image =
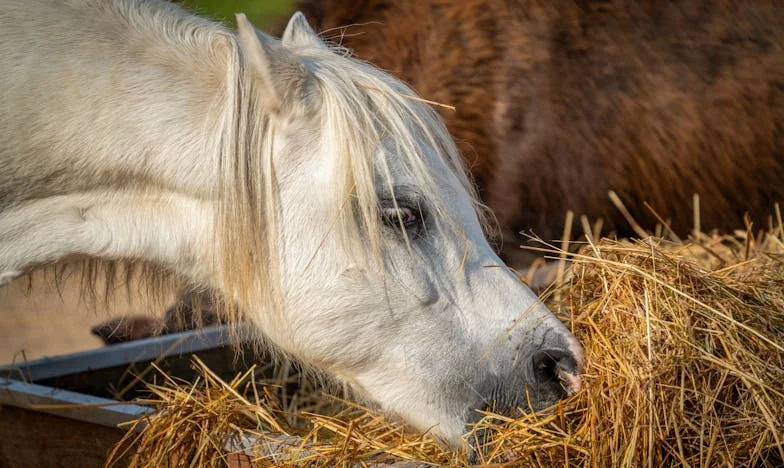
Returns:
<point x="559" y="101"/>
<point x="192" y="311"/>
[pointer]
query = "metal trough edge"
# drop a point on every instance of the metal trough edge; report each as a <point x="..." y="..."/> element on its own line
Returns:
<point x="122" y="354"/>
<point x="68" y="404"/>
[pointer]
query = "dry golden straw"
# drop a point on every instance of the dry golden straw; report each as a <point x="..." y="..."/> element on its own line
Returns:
<point x="684" y="367"/>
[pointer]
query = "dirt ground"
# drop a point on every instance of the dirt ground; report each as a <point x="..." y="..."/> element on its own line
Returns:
<point x="48" y="322"/>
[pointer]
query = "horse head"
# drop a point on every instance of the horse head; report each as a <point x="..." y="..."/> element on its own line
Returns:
<point x="386" y="278"/>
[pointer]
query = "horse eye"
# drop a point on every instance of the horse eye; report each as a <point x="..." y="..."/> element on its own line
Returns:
<point x="394" y="217"/>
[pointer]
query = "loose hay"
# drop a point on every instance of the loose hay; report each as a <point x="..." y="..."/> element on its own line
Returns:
<point x="684" y="350"/>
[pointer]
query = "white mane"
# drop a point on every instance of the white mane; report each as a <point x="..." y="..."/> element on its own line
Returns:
<point x="359" y="105"/>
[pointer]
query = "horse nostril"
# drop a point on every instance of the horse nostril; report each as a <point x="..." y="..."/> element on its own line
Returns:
<point x="557" y="366"/>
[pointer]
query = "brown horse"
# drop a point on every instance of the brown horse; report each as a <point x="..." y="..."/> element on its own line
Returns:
<point x="560" y="101"/>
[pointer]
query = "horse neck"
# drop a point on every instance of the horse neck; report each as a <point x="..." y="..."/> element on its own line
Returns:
<point x="203" y="92"/>
<point x="170" y="90"/>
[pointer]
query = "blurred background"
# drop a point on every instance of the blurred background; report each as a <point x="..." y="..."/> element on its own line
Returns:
<point x="264" y="14"/>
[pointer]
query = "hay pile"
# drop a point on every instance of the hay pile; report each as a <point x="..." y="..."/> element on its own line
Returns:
<point x="684" y="366"/>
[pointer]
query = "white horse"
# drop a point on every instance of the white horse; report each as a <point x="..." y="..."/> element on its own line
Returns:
<point x="309" y="188"/>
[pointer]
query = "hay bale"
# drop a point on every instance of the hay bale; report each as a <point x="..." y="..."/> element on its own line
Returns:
<point x="684" y="350"/>
<point x="684" y="359"/>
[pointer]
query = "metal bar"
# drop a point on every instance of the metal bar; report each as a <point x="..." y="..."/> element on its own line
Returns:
<point x="67" y="404"/>
<point x="149" y="349"/>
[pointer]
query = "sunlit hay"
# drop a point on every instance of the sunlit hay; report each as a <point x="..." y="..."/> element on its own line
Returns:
<point x="358" y="435"/>
<point x="684" y="366"/>
<point x="215" y="423"/>
<point x="198" y="422"/>
<point x="684" y="359"/>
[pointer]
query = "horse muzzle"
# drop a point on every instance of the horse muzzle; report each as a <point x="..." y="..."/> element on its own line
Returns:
<point x="550" y="373"/>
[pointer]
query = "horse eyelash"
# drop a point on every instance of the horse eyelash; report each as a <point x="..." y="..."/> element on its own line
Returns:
<point x="415" y="231"/>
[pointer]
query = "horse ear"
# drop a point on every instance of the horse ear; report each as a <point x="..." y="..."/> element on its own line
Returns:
<point x="299" y="33"/>
<point x="281" y="72"/>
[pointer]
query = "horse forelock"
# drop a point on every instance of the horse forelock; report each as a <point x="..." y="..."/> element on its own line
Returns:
<point x="366" y="114"/>
<point x="244" y="224"/>
<point x="372" y="119"/>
